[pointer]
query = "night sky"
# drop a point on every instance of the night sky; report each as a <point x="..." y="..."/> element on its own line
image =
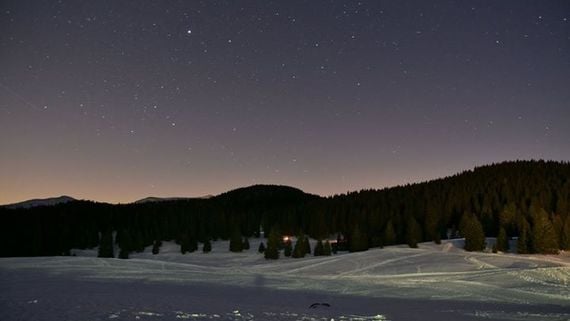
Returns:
<point x="118" y="100"/>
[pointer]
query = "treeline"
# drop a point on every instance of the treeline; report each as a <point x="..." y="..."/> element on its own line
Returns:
<point x="524" y="199"/>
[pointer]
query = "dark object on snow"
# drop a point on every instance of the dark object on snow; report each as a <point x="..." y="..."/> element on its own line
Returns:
<point x="319" y="305"/>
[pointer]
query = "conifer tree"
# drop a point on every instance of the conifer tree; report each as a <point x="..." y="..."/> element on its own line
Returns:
<point x="300" y="248"/>
<point x="327" y="248"/>
<point x="137" y="241"/>
<point x="236" y="243"/>
<point x="413" y="233"/>
<point x="358" y="240"/>
<point x="389" y="234"/>
<point x="156" y="246"/>
<point x="125" y="245"/>
<point x="272" y="250"/>
<point x="184" y="241"/>
<point x="502" y="240"/>
<point x="507" y="216"/>
<point x="287" y="248"/>
<point x="565" y="235"/>
<point x="432" y="226"/>
<point x="106" y="245"/>
<point x="319" y="248"/>
<point x="192" y="245"/>
<point x="207" y="247"/>
<point x="522" y="241"/>
<point x="473" y="233"/>
<point x="307" y="245"/>
<point x="123" y="253"/>
<point x="543" y="236"/>
<point x="558" y="225"/>
<point x="261" y="248"/>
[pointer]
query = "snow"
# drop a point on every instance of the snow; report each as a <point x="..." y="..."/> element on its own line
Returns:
<point x="41" y="202"/>
<point x="433" y="282"/>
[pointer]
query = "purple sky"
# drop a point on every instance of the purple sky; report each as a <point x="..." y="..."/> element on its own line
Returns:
<point x="118" y="100"/>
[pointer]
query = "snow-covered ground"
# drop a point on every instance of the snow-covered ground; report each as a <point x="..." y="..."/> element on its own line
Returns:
<point x="434" y="282"/>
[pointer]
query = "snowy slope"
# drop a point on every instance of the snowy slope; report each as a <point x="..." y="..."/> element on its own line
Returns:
<point x="442" y="281"/>
<point x="41" y="202"/>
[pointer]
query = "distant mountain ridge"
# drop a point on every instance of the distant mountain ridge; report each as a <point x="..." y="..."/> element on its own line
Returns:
<point x="151" y="199"/>
<point x="41" y="202"/>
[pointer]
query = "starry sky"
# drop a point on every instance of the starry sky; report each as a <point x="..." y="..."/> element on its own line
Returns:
<point x="118" y="100"/>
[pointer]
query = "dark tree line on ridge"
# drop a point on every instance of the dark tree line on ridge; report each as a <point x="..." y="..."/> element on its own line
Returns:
<point x="529" y="200"/>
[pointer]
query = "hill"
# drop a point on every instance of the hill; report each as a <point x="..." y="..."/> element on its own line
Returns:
<point x="41" y="202"/>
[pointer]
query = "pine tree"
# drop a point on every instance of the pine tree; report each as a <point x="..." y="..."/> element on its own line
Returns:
<point x="507" y="215"/>
<point x="125" y="244"/>
<point x="432" y="226"/>
<point x="319" y="248"/>
<point x="523" y="241"/>
<point x="156" y="246"/>
<point x="192" y="245"/>
<point x="287" y="248"/>
<point x="307" y="245"/>
<point x="106" y="245"/>
<point x="358" y="240"/>
<point x="327" y="248"/>
<point x="473" y="233"/>
<point x="389" y="234"/>
<point x="123" y="253"/>
<point x="207" y="247"/>
<point x="300" y="248"/>
<point x="558" y="225"/>
<point x="565" y="235"/>
<point x="137" y="241"/>
<point x="236" y="243"/>
<point x="261" y="248"/>
<point x="502" y="240"/>
<point x="185" y="245"/>
<point x="413" y="233"/>
<point x="543" y="236"/>
<point x="272" y="250"/>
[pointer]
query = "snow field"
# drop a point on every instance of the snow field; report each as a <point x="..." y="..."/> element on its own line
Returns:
<point x="477" y="286"/>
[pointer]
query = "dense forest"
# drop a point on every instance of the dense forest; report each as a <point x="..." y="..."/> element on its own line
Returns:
<point x="529" y="200"/>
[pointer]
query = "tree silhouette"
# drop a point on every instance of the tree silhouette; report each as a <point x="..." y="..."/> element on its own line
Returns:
<point x="300" y="248"/>
<point x="389" y="234"/>
<point x="156" y="246"/>
<point x="207" y="247"/>
<point x="319" y="248"/>
<point x="358" y="240"/>
<point x="327" y="248"/>
<point x="473" y="232"/>
<point x="287" y="248"/>
<point x="565" y="235"/>
<point x="236" y="243"/>
<point x="261" y="248"/>
<point x="106" y="245"/>
<point x="272" y="250"/>
<point x="502" y="241"/>
<point x="544" y="239"/>
<point x="413" y="233"/>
